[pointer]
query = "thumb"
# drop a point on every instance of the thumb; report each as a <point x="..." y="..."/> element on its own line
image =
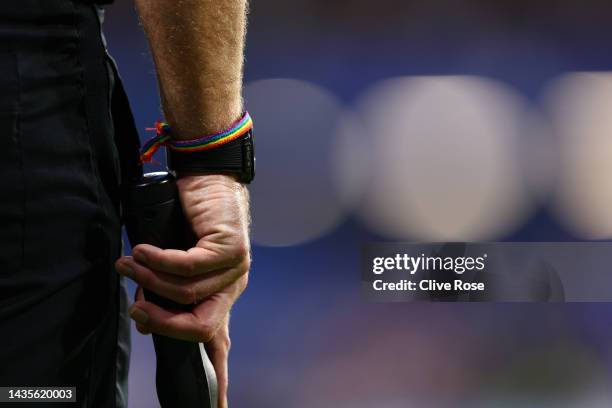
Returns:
<point x="218" y="352"/>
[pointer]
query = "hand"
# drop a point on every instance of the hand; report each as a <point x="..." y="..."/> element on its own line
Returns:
<point x="211" y="275"/>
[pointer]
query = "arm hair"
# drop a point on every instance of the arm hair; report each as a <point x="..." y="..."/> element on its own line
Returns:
<point x="198" y="49"/>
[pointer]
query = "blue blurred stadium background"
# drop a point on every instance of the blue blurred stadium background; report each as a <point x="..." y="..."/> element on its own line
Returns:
<point x="317" y="73"/>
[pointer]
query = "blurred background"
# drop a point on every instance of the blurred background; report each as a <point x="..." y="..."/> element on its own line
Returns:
<point x="416" y="121"/>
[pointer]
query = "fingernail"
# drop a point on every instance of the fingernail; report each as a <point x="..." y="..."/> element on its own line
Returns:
<point x="139" y="315"/>
<point x="140" y="257"/>
<point x="125" y="269"/>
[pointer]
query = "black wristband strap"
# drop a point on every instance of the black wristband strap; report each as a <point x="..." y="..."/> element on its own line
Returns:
<point x="236" y="157"/>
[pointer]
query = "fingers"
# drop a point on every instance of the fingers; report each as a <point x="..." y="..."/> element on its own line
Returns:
<point x="168" y="286"/>
<point x="218" y="352"/>
<point x="193" y="262"/>
<point x="142" y="330"/>
<point x="181" y="290"/>
<point x="139" y="295"/>
<point x="199" y="325"/>
<point x="183" y="326"/>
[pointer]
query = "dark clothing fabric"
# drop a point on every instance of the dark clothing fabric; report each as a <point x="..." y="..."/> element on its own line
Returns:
<point x="100" y="2"/>
<point x="59" y="208"/>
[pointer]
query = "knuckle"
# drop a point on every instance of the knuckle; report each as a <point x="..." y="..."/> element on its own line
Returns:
<point x="189" y="268"/>
<point x="186" y="295"/>
<point x="146" y="279"/>
<point x="242" y="272"/>
<point x="243" y="282"/>
<point x="247" y="264"/>
<point x="206" y="331"/>
<point x="245" y="250"/>
<point x="241" y="251"/>
<point x="242" y="262"/>
<point x="225" y="342"/>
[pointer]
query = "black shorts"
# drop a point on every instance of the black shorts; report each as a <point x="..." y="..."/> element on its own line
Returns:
<point x="59" y="211"/>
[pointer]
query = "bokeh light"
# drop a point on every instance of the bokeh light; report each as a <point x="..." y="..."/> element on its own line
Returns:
<point x="445" y="159"/>
<point x="351" y="160"/>
<point x="295" y="126"/>
<point x="579" y="106"/>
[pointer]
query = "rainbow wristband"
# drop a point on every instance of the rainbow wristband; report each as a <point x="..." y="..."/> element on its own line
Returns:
<point x="163" y="137"/>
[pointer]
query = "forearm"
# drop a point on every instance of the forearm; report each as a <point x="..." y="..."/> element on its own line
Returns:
<point x="198" y="48"/>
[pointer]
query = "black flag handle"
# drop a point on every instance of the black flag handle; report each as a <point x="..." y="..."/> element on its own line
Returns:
<point x="185" y="376"/>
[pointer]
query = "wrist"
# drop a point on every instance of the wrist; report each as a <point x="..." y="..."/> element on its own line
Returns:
<point x="212" y="185"/>
<point x="213" y="119"/>
<point x="209" y="176"/>
<point x="229" y="152"/>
